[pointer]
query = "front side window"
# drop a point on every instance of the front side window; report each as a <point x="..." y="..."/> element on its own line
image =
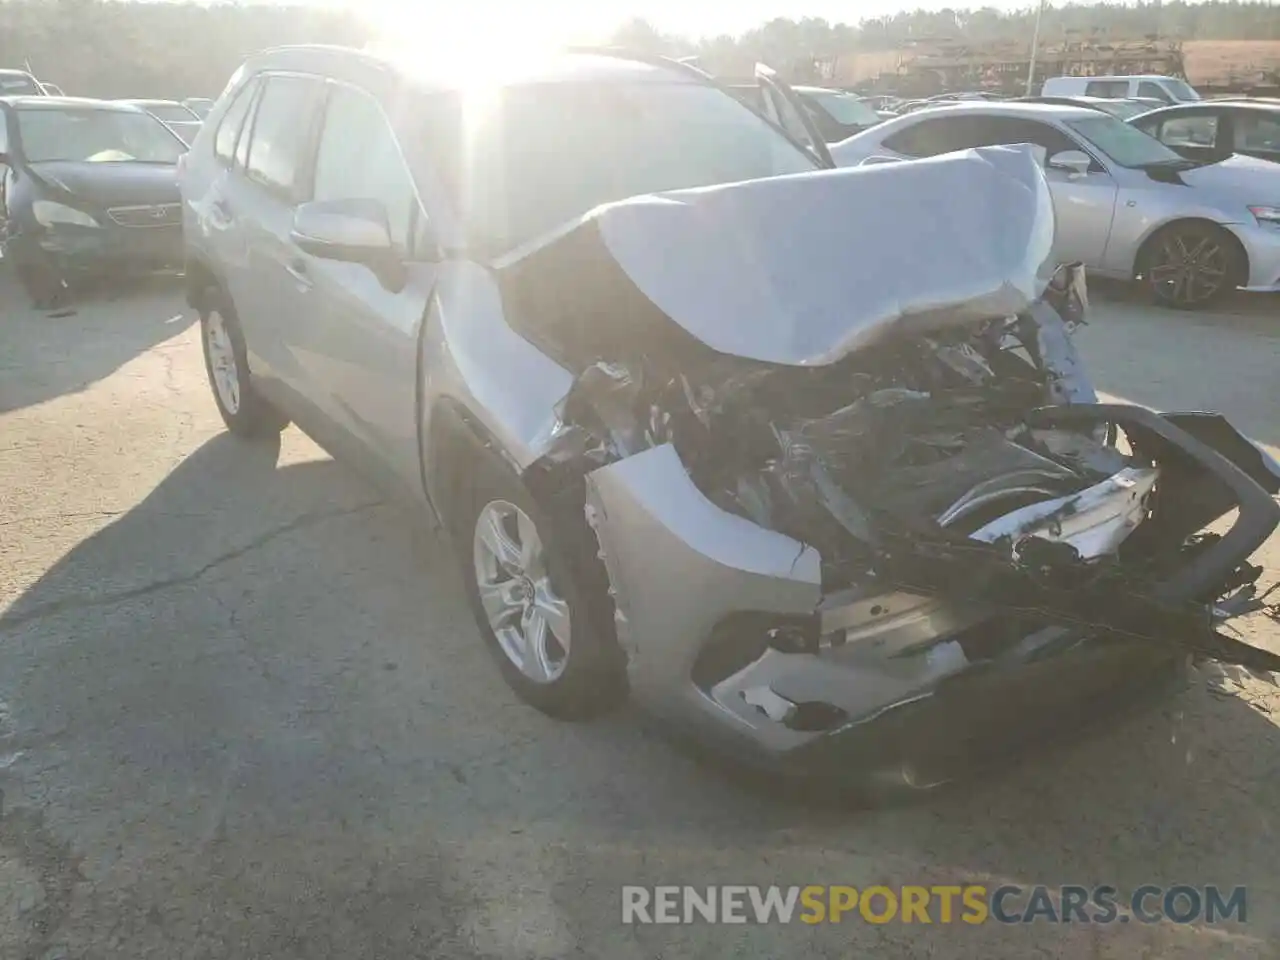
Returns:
<point x="526" y="159"/>
<point x="1123" y="143"/>
<point x="1151" y="90"/>
<point x="1198" y="130"/>
<point x="95" y="136"/>
<point x="228" y="133"/>
<point x="280" y="136"/>
<point x="1181" y="91"/>
<point x="359" y="159"/>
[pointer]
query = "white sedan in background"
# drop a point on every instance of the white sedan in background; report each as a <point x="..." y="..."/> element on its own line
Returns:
<point x="1126" y="205"/>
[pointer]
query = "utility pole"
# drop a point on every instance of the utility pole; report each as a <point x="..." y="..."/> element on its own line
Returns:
<point x="1035" y="48"/>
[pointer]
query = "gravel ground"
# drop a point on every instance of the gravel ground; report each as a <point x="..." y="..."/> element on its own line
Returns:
<point x="243" y="713"/>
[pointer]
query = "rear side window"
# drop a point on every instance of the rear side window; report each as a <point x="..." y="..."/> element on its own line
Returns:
<point x="281" y="136"/>
<point x="224" y="142"/>
<point x="1108" y="89"/>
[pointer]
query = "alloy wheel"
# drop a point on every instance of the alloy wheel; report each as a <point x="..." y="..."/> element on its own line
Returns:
<point x="1189" y="268"/>
<point x="527" y="616"/>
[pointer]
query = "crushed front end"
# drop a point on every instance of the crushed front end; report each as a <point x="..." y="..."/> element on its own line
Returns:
<point x="917" y="547"/>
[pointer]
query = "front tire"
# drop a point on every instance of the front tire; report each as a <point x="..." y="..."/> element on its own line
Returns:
<point x="42" y="284"/>
<point x="539" y="605"/>
<point x="1191" y="266"/>
<point x="241" y="407"/>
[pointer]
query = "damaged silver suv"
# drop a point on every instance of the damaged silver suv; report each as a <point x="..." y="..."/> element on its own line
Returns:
<point x="803" y="459"/>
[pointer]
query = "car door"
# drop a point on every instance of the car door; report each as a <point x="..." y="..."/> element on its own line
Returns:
<point x="274" y="294"/>
<point x="358" y="344"/>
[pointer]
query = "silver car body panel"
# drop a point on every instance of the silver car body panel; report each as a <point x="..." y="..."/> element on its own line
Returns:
<point x="472" y="357"/>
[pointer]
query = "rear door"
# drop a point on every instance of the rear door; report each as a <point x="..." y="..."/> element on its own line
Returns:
<point x="274" y="295"/>
<point x="358" y="341"/>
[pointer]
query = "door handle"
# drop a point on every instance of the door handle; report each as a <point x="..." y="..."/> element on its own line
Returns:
<point x="298" y="270"/>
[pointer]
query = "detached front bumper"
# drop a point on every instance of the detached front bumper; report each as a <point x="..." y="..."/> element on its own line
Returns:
<point x="729" y="633"/>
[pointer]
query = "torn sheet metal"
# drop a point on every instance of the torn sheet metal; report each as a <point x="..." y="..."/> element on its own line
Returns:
<point x="804" y="270"/>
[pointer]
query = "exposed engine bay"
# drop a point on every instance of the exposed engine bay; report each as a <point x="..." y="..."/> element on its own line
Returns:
<point x="893" y="507"/>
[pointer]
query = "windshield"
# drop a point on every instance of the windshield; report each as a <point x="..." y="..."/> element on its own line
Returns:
<point x="1180" y="90"/>
<point x="99" y="136"/>
<point x="845" y="109"/>
<point x="18" y="84"/>
<point x="170" y="112"/>
<point x="1124" y="144"/>
<point x="537" y="156"/>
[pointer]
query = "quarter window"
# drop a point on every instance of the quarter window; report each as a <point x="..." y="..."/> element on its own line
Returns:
<point x="359" y="159"/>
<point x="224" y="141"/>
<point x="281" y="135"/>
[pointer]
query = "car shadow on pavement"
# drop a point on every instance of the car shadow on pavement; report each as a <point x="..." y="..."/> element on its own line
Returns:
<point x="64" y="351"/>
<point x="256" y="702"/>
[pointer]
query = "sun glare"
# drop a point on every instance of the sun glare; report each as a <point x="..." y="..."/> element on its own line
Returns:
<point x="474" y="42"/>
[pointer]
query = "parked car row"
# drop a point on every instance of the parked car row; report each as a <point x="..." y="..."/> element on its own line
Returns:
<point x="801" y="459"/>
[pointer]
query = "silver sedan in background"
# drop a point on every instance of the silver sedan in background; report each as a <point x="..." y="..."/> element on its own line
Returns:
<point x="1126" y="205"/>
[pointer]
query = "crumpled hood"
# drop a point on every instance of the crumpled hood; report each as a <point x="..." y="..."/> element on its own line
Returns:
<point x="805" y="269"/>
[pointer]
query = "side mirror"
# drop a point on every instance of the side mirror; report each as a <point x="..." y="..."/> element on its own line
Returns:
<point x="353" y="231"/>
<point x="1075" y="162"/>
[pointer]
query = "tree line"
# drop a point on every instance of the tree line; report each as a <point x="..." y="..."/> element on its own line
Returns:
<point x="123" y="49"/>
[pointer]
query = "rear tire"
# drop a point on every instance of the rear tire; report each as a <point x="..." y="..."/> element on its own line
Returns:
<point x="579" y="673"/>
<point x="245" y="412"/>
<point x="1191" y="265"/>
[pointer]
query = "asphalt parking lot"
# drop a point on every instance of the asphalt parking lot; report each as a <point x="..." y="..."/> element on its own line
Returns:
<point x="244" y="713"/>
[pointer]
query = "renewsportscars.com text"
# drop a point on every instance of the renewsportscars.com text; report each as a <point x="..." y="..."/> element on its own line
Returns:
<point x="940" y="904"/>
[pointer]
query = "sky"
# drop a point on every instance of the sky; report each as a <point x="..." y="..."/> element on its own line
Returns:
<point x="587" y="20"/>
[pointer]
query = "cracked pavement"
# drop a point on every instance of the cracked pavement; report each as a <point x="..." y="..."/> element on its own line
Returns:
<point x="244" y="713"/>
